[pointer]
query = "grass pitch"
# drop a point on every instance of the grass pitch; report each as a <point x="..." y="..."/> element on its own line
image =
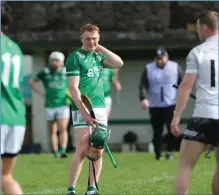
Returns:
<point x="138" y="173"/>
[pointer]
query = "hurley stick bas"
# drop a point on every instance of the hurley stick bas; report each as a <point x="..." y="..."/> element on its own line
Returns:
<point x="87" y="102"/>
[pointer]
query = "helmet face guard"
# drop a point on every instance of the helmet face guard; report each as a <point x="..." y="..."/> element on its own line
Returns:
<point x="98" y="140"/>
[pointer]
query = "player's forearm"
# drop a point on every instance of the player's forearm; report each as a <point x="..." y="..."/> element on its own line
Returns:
<point x="76" y="96"/>
<point x="35" y="88"/>
<point x="114" y="59"/>
<point x="115" y="83"/>
<point x="182" y="99"/>
<point x="116" y="74"/>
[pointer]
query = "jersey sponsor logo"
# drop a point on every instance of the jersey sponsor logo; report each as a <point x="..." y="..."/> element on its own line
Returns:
<point x="80" y="54"/>
<point x="56" y="84"/>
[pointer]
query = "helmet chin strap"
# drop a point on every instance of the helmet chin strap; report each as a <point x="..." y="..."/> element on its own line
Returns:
<point x="98" y="140"/>
<point x="92" y="157"/>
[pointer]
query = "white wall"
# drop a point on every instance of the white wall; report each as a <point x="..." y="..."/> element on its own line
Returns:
<point x="40" y="130"/>
<point x="28" y="64"/>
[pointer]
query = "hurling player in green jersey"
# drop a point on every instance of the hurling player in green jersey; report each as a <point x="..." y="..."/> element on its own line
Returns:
<point x="110" y="77"/>
<point x="83" y="68"/>
<point x="13" y="120"/>
<point x="55" y="83"/>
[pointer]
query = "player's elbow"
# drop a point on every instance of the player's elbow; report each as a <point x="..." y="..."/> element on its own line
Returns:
<point x="73" y="89"/>
<point x="188" y="81"/>
<point x="120" y="63"/>
<point x="75" y="92"/>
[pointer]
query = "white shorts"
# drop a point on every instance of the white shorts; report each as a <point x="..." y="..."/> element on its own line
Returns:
<point x="100" y="114"/>
<point x="62" y="112"/>
<point x="12" y="138"/>
<point x="108" y="102"/>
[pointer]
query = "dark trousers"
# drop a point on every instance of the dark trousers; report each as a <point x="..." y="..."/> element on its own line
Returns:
<point x="160" y="117"/>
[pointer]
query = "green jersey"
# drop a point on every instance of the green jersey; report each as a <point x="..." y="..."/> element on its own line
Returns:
<point x="12" y="66"/>
<point x="88" y="67"/>
<point x="107" y="76"/>
<point x="56" y="86"/>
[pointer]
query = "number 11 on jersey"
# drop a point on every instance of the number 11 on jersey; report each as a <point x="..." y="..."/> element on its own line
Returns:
<point x="12" y="65"/>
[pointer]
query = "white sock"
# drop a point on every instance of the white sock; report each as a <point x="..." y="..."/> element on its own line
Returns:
<point x="90" y="192"/>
